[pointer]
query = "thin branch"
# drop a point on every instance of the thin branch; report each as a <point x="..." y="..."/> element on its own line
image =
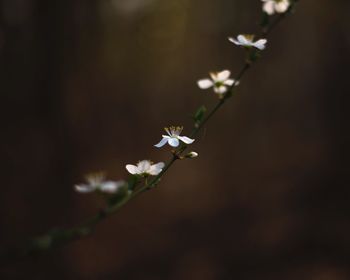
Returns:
<point x="59" y="238"/>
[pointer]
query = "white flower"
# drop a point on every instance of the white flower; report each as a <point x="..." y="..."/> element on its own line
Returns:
<point x="278" y="6"/>
<point x="145" y="168"/>
<point x="248" y="41"/>
<point x="173" y="138"/>
<point x="96" y="182"/>
<point x="219" y="81"/>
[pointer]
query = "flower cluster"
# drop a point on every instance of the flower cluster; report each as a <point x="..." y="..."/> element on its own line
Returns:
<point x="118" y="193"/>
<point x="221" y="81"/>
<point x="221" y="84"/>
<point x="143" y="169"/>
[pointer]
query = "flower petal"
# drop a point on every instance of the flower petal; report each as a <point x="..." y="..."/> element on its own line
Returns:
<point x="223" y="75"/>
<point x="109" y="187"/>
<point x="205" y="83"/>
<point x="229" y="82"/>
<point x="282" y="6"/>
<point x="155" y="169"/>
<point x="84" y="188"/>
<point x="233" y="40"/>
<point x="143" y="166"/>
<point x="220" y="90"/>
<point x="161" y="143"/>
<point x="112" y="186"/>
<point x="173" y="142"/>
<point x="269" y="7"/>
<point x="186" y="139"/>
<point x="132" y="169"/>
<point x="260" y="44"/>
<point x="243" y="40"/>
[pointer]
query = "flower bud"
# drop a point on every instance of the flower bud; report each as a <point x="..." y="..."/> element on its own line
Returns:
<point x="191" y="155"/>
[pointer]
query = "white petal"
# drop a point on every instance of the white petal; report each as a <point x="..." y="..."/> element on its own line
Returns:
<point x="132" y="169"/>
<point x="220" y="90"/>
<point x="269" y="7"/>
<point x="243" y="40"/>
<point x="282" y="7"/>
<point x="109" y="187"/>
<point x="186" y="139"/>
<point x="260" y="44"/>
<point x="229" y="82"/>
<point x="143" y="166"/>
<point x="224" y="75"/>
<point x="155" y="169"/>
<point x="173" y="142"/>
<point x="84" y="188"/>
<point x="162" y="142"/>
<point x="234" y="41"/>
<point x="205" y="83"/>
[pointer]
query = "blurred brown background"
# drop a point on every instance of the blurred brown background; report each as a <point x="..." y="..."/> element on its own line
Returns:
<point x="89" y="85"/>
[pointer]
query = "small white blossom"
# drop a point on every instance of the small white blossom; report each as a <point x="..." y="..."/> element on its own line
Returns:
<point x="173" y="138"/>
<point x="145" y="168"/>
<point x="96" y="182"/>
<point x="219" y="81"/>
<point x="248" y="41"/>
<point x="275" y="6"/>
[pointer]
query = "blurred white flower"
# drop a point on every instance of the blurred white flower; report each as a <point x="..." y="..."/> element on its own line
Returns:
<point x="248" y="41"/>
<point x="145" y="168"/>
<point x="219" y="81"/>
<point x="95" y="182"/>
<point x="275" y="6"/>
<point x="173" y="138"/>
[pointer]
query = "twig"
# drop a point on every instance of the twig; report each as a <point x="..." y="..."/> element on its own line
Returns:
<point x="57" y="238"/>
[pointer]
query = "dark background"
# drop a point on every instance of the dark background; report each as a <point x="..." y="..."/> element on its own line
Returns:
<point x="89" y="85"/>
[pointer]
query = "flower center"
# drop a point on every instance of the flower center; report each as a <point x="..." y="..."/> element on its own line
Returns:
<point x="174" y="131"/>
<point x="219" y="84"/>
<point x="249" y="37"/>
<point x="95" y="178"/>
